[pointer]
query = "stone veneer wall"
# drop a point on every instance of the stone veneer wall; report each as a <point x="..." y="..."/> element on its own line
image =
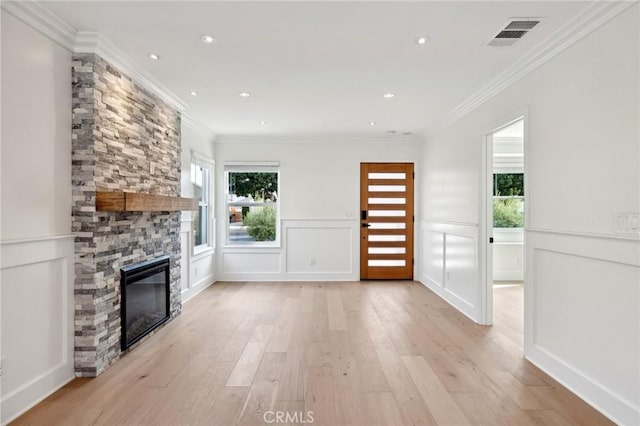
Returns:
<point x="126" y="139"/>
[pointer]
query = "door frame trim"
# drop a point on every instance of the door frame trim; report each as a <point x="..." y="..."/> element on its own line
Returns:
<point x="486" y="208"/>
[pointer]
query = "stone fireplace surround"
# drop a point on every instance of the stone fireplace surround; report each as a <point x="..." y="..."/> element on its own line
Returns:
<point x="124" y="139"/>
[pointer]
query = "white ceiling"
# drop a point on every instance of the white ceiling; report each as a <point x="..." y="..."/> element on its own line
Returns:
<point x="318" y="68"/>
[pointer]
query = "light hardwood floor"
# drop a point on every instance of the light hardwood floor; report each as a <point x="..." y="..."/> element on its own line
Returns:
<point x="508" y="311"/>
<point x="377" y="353"/>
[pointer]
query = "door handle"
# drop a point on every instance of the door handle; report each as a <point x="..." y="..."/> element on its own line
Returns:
<point x="365" y="225"/>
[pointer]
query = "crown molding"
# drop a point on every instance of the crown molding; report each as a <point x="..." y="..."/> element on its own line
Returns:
<point x="197" y="126"/>
<point x="91" y="42"/>
<point x="43" y="21"/>
<point x="590" y="19"/>
<point x="48" y="24"/>
<point x="323" y="139"/>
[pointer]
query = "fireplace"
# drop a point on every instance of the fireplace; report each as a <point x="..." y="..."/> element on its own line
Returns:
<point x="145" y="298"/>
<point x="125" y="139"/>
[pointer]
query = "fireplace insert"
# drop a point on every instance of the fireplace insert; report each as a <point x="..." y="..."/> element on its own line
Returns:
<point x="145" y="298"/>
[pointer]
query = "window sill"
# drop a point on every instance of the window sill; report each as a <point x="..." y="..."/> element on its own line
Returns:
<point x="247" y="247"/>
<point x="200" y="252"/>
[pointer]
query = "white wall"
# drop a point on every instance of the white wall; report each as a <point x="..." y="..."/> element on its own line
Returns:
<point x="582" y="305"/>
<point x="319" y="210"/>
<point x="36" y="249"/>
<point x="197" y="270"/>
<point x="36" y="134"/>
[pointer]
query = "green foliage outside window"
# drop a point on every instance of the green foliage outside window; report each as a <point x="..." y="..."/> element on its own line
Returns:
<point x="508" y="212"/>
<point x="260" y="186"/>
<point x="261" y="224"/>
<point x="508" y="184"/>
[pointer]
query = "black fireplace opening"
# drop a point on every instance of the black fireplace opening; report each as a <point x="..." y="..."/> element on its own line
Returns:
<point x="145" y="298"/>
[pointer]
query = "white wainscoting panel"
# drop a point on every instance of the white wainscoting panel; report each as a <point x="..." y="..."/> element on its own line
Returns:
<point x="432" y="253"/>
<point x="508" y="261"/>
<point x="251" y="261"/>
<point x="36" y="285"/>
<point x="314" y="249"/>
<point x="449" y="264"/>
<point x="508" y="254"/>
<point x="197" y="271"/>
<point x="582" y="317"/>
<point x="460" y="266"/>
<point x="202" y="271"/>
<point x="185" y="258"/>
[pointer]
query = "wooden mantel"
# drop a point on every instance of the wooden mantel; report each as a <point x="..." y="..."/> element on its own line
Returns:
<point x="137" y="202"/>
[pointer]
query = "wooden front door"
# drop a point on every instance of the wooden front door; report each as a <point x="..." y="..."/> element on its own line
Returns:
<point x="386" y="221"/>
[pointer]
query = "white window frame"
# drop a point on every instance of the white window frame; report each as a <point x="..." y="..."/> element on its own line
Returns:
<point x="251" y="167"/>
<point x="199" y="160"/>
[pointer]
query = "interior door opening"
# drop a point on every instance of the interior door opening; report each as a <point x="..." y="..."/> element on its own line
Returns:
<point x="506" y="198"/>
<point x="386" y="221"/>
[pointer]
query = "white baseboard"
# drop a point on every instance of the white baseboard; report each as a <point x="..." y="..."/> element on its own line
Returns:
<point x="450" y="297"/>
<point x="288" y="276"/>
<point x="34" y="392"/>
<point x="613" y="406"/>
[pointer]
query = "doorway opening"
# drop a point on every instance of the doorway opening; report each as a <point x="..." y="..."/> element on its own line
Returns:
<point x="505" y="213"/>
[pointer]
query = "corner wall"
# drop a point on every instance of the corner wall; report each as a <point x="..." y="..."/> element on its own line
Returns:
<point x="582" y="313"/>
<point x="198" y="270"/>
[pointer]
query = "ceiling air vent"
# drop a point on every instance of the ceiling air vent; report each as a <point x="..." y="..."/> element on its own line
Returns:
<point x="513" y="31"/>
<point x="510" y="34"/>
<point x="522" y="25"/>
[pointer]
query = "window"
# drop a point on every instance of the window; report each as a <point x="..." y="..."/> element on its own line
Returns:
<point x="201" y="173"/>
<point x="508" y="200"/>
<point x="252" y="204"/>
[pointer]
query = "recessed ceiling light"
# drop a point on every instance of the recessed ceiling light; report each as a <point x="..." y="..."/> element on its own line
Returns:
<point x="193" y="93"/>
<point x="388" y="95"/>
<point x="372" y="123"/>
<point x="422" y="40"/>
<point x="262" y="123"/>
<point x="207" y="39"/>
<point x="244" y="94"/>
<point x="154" y="56"/>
